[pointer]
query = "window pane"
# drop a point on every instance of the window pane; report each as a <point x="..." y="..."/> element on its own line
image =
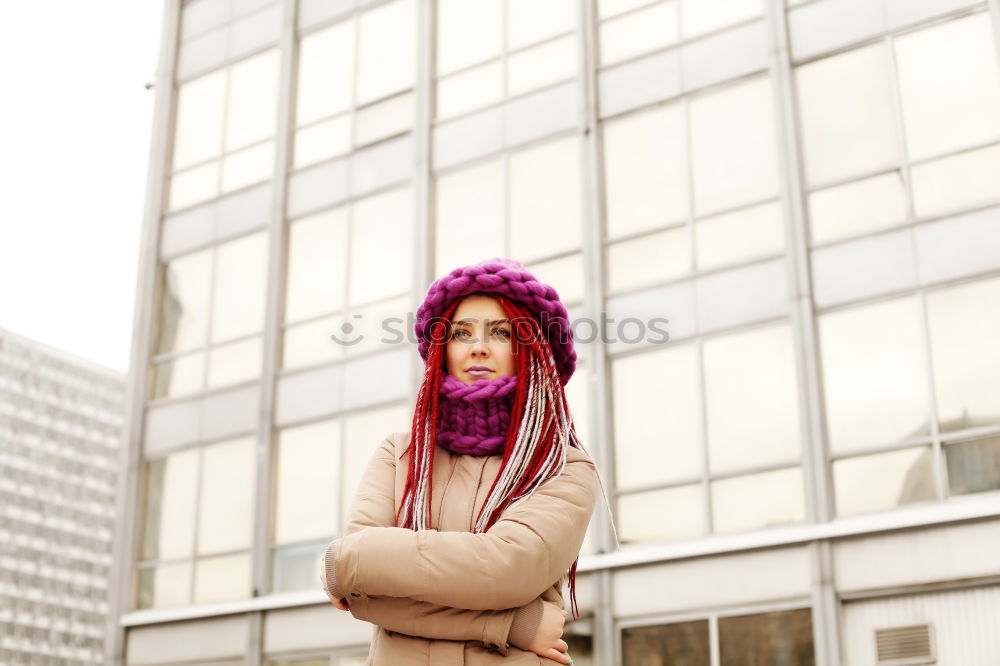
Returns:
<point x="227" y="492"/>
<point x="184" y="313"/>
<point x="240" y="287"/>
<point x="247" y="167"/>
<point x="163" y="586"/>
<point x="759" y="500"/>
<point x="377" y="326"/>
<point x="198" y="133"/>
<point x="470" y="205"/>
<point x="469" y="90"/>
<point x="545" y="199"/>
<point x="308" y="458"/>
<point x="297" y="568"/>
<point x="530" y="21"/>
<point x="309" y="344"/>
<point x="566" y="276"/>
<point x="252" y="109"/>
<point x="194" y="185"/>
<point x="883" y="481"/>
<point x="644" y="516"/>
<point x="645" y="170"/>
<point x="381" y="237"/>
<point x="639" y="32"/>
<point x="651" y="258"/>
<point x="846" y="107"/>
<point x="326" y="72"/>
<point x="378" y="121"/>
<point x="701" y="16"/>
<point x="387" y="41"/>
<point x="746" y="234"/>
<point x="781" y="638"/>
<point x="541" y="65"/>
<point x="322" y="141"/>
<point x="874" y="375"/>
<point x="855" y="208"/>
<point x="170" y="496"/>
<point x="363" y="434"/>
<point x="468" y="31"/>
<point x="949" y="85"/>
<point x="183" y="375"/>
<point x="317" y="265"/>
<point x="967" y="180"/>
<point x="234" y="363"/>
<point x="666" y="448"/>
<point x="733" y="155"/>
<point x="680" y="644"/>
<point x="973" y="467"/>
<point x="222" y="578"/>
<point x="964" y="326"/>
<point x="751" y="398"/>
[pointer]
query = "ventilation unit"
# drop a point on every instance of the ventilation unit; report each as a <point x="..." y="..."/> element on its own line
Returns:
<point x="901" y="646"/>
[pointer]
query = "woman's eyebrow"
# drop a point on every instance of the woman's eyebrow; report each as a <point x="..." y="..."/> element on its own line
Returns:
<point x="473" y="321"/>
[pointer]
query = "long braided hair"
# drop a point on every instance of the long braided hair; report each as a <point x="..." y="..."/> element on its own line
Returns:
<point x="540" y="427"/>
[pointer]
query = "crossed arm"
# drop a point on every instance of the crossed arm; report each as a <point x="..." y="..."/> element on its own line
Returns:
<point x="459" y="585"/>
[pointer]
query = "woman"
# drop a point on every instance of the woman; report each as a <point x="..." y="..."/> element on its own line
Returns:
<point x="463" y="530"/>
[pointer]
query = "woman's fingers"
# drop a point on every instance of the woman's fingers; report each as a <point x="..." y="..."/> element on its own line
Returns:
<point x="562" y="645"/>
<point x="561" y="657"/>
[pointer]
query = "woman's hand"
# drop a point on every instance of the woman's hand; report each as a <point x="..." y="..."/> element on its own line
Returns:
<point x="338" y="603"/>
<point x="548" y="641"/>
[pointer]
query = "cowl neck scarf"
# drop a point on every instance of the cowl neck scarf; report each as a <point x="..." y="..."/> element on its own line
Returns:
<point x="473" y="418"/>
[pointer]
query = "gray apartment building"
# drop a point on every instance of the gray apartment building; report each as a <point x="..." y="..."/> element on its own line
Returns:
<point x="60" y="440"/>
<point x="806" y="472"/>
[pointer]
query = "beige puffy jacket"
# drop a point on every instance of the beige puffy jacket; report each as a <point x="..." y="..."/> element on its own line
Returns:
<point x="449" y="597"/>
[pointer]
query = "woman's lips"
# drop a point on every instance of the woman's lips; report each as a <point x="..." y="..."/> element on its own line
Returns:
<point x="479" y="373"/>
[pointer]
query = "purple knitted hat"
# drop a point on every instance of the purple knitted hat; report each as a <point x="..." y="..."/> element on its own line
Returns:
<point x="510" y="279"/>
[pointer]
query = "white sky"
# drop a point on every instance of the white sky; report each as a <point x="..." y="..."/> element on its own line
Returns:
<point x="74" y="152"/>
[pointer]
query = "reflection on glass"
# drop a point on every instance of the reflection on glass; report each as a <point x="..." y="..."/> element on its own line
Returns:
<point x="645" y="162"/>
<point x="941" y="110"/>
<point x="470" y="204"/>
<point x="966" y="180"/>
<point x="468" y="32"/>
<point x="247" y="167"/>
<point x="198" y="130"/>
<point x="733" y="155"/>
<point x="222" y="578"/>
<point x="781" y="638"/>
<point x="240" y="287"/>
<point x="539" y="66"/>
<point x="164" y="586"/>
<point x="184" y="306"/>
<point x="659" y="256"/>
<point x="234" y="363"/>
<point x="326" y="72"/>
<point x="180" y="376"/>
<point x="545" y="199"/>
<point x="308" y="460"/>
<point x="363" y="434"/>
<point x="194" y="185"/>
<point x="656" y="515"/>
<point x="883" y="481"/>
<point x="973" y="466"/>
<point x="565" y="275"/>
<point x="679" y="644"/>
<point x="317" y="265"/>
<point x="747" y="234"/>
<point x="856" y="208"/>
<point x="701" y="16"/>
<point x="964" y="324"/>
<point x="529" y="21"/>
<point x="758" y="500"/>
<point x="383" y="119"/>
<point x="170" y="505"/>
<point x="312" y="343"/>
<point x="387" y="41"/>
<point x="639" y="32"/>
<point x="751" y="398"/>
<point x="323" y="140"/>
<point x="846" y="110"/>
<point x="381" y="237"/>
<point x="470" y="89"/>
<point x="652" y="450"/>
<point x="874" y="374"/>
<point x="296" y="568"/>
<point x="227" y="491"/>
<point x="252" y="108"/>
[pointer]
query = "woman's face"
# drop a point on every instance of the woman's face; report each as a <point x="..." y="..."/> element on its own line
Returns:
<point x="479" y="346"/>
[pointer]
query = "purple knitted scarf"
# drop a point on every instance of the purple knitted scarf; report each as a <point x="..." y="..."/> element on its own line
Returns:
<point x="473" y="418"/>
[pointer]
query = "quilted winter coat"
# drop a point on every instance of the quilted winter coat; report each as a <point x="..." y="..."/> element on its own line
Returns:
<point x="449" y="597"/>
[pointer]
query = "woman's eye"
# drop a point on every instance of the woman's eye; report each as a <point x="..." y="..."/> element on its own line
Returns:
<point x="459" y="333"/>
<point x="502" y="331"/>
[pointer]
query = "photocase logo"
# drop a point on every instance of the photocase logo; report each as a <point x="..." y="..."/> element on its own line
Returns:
<point x="397" y="330"/>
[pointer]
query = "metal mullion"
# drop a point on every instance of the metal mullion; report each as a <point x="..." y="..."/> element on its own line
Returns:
<point x="705" y="480"/>
<point x="199" y="478"/>
<point x="993" y="6"/>
<point x="885" y="448"/>
<point x="900" y="126"/>
<point x="713" y="640"/>
<point x="938" y="462"/>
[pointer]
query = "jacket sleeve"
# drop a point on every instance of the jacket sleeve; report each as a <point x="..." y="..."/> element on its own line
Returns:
<point x="532" y="544"/>
<point x="374" y="506"/>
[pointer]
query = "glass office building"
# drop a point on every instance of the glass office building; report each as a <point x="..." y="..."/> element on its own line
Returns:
<point x="60" y="438"/>
<point x="776" y="226"/>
